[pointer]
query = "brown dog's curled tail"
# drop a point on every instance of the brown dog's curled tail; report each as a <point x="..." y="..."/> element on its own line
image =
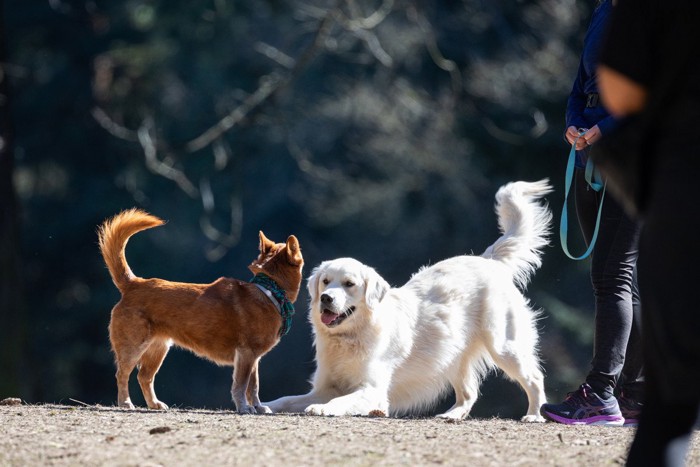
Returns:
<point x="113" y="235"/>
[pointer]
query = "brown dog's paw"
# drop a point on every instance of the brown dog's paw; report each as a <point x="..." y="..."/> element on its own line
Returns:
<point x="127" y="405"/>
<point x="11" y="401"/>
<point x="377" y="414"/>
<point x="247" y="410"/>
<point x="158" y="405"/>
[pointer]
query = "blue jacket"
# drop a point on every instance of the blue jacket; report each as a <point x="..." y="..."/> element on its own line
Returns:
<point x="576" y="112"/>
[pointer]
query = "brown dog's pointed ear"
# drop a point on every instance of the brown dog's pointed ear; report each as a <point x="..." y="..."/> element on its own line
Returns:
<point x="294" y="251"/>
<point x="265" y="243"/>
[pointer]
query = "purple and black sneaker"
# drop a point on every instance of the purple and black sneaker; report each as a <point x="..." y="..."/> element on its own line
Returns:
<point x="584" y="407"/>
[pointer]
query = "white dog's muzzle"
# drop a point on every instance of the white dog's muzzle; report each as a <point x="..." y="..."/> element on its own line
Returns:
<point x="331" y="316"/>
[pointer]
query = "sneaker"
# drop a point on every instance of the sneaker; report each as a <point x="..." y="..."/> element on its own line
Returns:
<point x="584" y="407"/>
<point x="630" y="409"/>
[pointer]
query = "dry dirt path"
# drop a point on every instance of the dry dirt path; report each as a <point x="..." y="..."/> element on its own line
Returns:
<point x="40" y="435"/>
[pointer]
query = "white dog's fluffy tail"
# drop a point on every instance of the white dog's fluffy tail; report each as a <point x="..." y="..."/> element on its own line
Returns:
<point x="524" y="222"/>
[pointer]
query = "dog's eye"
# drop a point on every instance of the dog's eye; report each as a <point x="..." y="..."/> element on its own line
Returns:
<point x="349" y="284"/>
<point x="325" y="281"/>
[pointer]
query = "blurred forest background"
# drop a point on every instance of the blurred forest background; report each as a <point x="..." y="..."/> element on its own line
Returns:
<point x="377" y="129"/>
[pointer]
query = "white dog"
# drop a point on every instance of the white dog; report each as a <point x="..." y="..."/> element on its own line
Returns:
<point x="382" y="350"/>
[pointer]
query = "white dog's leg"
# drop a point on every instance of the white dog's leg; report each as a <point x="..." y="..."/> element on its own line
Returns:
<point x="466" y="387"/>
<point x="522" y="365"/>
<point x="536" y="398"/>
<point x="532" y="381"/>
<point x="296" y="404"/>
<point x="365" y="401"/>
<point x="371" y="398"/>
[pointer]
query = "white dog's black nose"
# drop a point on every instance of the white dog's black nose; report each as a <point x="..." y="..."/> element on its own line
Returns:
<point x="326" y="299"/>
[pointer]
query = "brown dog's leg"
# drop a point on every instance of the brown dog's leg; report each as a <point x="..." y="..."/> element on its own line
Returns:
<point x="129" y="335"/>
<point x="148" y="367"/>
<point x="243" y="368"/>
<point x="123" y="372"/>
<point x="253" y="388"/>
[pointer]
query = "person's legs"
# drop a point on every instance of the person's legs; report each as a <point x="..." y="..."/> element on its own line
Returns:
<point x="669" y="410"/>
<point x="612" y="271"/>
<point x="612" y="275"/>
<point x="668" y="274"/>
<point x="631" y="382"/>
<point x="630" y="386"/>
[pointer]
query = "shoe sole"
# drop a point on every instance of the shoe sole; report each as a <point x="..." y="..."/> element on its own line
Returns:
<point x="601" y="420"/>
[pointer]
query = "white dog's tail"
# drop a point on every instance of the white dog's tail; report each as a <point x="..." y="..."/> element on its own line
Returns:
<point x="524" y="222"/>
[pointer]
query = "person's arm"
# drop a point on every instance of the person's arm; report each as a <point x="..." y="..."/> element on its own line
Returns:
<point x="576" y="103"/>
<point x="575" y="106"/>
<point x="598" y="130"/>
<point x="621" y="95"/>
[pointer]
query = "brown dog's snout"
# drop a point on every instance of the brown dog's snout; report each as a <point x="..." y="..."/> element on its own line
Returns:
<point x="326" y="299"/>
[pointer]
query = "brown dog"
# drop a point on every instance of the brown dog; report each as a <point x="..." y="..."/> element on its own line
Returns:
<point x="230" y="322"/>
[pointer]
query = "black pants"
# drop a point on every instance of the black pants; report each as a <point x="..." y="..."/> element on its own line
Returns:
<point x="617" y="352"/>
<point x="669" y="262"/>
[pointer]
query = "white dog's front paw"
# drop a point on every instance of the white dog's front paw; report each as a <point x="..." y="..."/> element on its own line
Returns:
<point x="321" y="409"/>
<point x="330" y="410"/>
<point x="452" y="415"/>
<point x="533" y="419"/>
<point x="456" y="412"/>
<point x="273" y="406"/>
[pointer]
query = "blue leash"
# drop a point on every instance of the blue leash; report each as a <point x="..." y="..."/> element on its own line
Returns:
<point x="593" y="178"/>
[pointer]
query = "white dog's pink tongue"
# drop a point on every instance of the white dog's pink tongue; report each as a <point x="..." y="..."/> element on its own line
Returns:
<point x="328" y="317"/>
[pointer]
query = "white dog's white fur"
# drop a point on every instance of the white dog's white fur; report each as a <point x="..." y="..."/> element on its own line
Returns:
<point x="382" y="350"/>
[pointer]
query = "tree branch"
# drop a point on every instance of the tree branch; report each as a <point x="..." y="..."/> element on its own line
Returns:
<point x="269" y="84"/>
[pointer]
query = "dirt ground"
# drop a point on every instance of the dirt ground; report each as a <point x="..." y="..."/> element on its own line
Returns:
<point x="33" y="435"/>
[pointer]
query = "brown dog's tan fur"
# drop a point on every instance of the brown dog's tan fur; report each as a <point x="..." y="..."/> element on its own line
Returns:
<point x="230" y="322"/>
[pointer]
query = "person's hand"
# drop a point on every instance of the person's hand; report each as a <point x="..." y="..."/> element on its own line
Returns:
<point x="571" y="134"/>
<point x="592" y="135"/>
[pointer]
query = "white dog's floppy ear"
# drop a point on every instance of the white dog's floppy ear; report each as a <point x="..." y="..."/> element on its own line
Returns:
<point x="375" y="287"/>
<point x="312" y="283"/>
